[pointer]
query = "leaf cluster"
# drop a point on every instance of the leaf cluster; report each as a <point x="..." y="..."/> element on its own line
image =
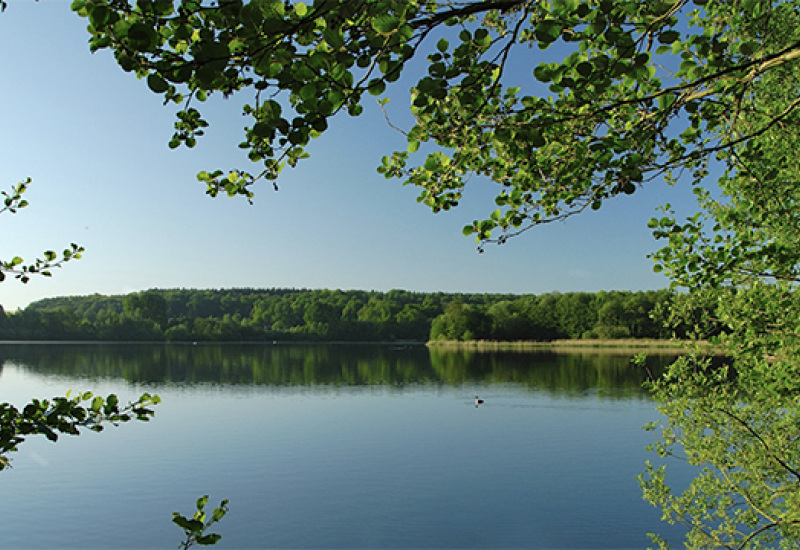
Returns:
<point x="12" y="202"/>
<point x="196" y="527"/>
<point x="637" y="90"/>
<point x="66" y="415"/>
<point x="321" y="58"/>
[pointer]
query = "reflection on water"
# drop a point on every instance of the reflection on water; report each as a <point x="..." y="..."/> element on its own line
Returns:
<point x="335" y="365"/>
<point x="337" y="446"/>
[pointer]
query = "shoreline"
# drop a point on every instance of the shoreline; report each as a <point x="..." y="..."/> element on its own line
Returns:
<point x="566" y="346"/>
<point x="671" y="347"/>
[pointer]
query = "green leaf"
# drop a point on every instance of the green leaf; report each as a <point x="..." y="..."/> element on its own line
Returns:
<point x="584" y="68"/>
<point x="189" y="525"/>
<point x="308" y="92"/>
<point x="386" y="24"/>
<point x="157" y="84"/>
<point x="334" y="38"/>
<point x="666" y="101"/>
<point x="260" y="129"/>
<point x="548" y="31"/>
<point x="111" y="402"/>
<point x="748" y="48"/>
<point x="376" y="87"/>
<point x="99" y="16"/>
<point x="220" y="512"/>
<point x="543" y="72"/>
<point x="208" y="540"/>
<point x="143" y="37"/>
<point x="565" y="7"/>
<point x="482" y="37"/>
<point x="668" y="37"/>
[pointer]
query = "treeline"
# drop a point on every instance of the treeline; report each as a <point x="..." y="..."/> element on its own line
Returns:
<point x="352" y="315"/>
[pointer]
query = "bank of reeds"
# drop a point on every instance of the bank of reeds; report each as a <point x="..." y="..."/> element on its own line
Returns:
<point x="568" y="346"/>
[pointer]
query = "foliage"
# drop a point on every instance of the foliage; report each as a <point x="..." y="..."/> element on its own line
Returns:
<point x="148" y="306"/>
<point x="196" y="527"/>
<point x="289" y="314"/>
<point x="13" y="201"/>
<point x="636" y="91"/>
<point x="66" y="415"/>
<point x="738" y="419"/>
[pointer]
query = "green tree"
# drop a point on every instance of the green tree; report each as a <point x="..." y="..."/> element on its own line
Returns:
<point x="378" y="309"/>
<point x="612" y="318"/>
<point x="460" y="321"/>
<point x="149" y="305"/>
<point x="411" y="323"/>
<point x="541" y="310"/>
<point x="576" y="314"/>
<point x="739" y="419"/>
<point x="507" y="323"/>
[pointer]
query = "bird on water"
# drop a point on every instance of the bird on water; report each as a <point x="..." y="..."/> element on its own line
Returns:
<point x="478" y="401"/>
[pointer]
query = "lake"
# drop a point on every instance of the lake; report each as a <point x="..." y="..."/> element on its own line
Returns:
<point x="336" y="446"/>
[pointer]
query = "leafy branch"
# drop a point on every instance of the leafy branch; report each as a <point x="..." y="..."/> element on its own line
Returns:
<point x="66" y="415"/>
<point x="195" y="527"/>
<point x="12" y="202"/>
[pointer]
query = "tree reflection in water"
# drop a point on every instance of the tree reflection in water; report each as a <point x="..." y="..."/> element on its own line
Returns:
<point x="336" y="365"/>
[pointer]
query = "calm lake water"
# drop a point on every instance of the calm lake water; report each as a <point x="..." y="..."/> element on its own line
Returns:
<point x="326" y="446"/>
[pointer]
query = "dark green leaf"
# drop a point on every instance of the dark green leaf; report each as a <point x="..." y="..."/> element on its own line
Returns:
<point x="156" y="83"/>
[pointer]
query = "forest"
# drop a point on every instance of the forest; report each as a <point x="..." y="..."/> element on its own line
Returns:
<point x="346" y="315"/>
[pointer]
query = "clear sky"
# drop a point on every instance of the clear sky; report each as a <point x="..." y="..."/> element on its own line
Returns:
<point x="94" y="140"/>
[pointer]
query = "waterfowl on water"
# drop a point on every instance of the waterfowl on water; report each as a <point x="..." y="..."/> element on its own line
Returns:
<point x="478" y="401"/>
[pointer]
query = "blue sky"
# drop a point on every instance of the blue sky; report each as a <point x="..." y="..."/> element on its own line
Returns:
<point x="94" y="140"/>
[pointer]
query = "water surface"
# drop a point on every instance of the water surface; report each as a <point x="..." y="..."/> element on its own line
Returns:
<point x="336" y="447"/>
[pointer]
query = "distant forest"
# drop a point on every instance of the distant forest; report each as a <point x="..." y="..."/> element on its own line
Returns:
<point x="349" y="315"/>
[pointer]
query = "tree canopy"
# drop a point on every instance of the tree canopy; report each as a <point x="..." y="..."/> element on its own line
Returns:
<point x="344" y="315"/>
<point x="639" y="90"/>
<point x="738" y="419"/>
